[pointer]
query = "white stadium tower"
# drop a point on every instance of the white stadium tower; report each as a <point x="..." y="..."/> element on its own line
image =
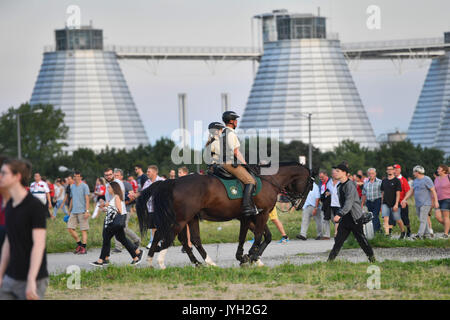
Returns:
<point x="301" y="71"/>
<point x="87" y="84"/>
<point x="430" y="124"/>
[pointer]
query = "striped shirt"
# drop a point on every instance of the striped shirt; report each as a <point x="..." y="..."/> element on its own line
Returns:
<point x="372" y="190"/>
<point x="40" y="190"/>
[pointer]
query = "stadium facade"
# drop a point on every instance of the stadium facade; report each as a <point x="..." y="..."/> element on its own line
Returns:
<point x="87" y="84"/>
<point x="430" y="124"/>
<point x="302" y="71"/>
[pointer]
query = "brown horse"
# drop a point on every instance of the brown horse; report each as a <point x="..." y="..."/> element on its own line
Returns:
<point x="180" y="202"/>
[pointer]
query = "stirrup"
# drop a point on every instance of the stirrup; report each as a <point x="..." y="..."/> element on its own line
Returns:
<point x="254" y="212"/>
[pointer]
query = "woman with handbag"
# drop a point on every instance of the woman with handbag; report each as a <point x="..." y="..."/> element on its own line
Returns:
<point x="114" y="225"/>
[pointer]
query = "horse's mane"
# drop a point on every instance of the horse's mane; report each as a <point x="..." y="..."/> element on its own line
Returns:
<point x="289" y="163"/>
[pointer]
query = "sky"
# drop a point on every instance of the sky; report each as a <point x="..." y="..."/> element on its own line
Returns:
<point x="389" y="91"/>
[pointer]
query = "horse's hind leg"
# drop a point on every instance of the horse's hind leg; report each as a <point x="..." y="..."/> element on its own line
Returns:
<point x="153" y="247"/>
<point x="162" y="254"/>
<point x="194" y="227"/>
<point x="182" y="236"/>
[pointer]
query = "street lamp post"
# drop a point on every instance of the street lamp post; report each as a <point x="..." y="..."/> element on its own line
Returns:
<point x="310" y="143"/>
<point x="19" y="148"/>
<point x="19" y="142"/>
<point x="307" y="115"/>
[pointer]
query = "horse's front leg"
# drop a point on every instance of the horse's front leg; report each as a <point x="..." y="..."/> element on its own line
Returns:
<point x="182" y="236"/>
<point x="259" y="229"/>
<point x="267" y="240"/>
<point x="245" y="223"/>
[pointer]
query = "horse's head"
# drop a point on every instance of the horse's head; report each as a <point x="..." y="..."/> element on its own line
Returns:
<point x="302" y="183"/>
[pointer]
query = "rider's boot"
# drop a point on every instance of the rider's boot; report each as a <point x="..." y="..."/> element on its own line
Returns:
<point x="248" y="208"/>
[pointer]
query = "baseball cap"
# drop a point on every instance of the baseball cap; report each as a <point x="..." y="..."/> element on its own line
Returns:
<point x="397" y="166"/>
<point x="341" y="167"/>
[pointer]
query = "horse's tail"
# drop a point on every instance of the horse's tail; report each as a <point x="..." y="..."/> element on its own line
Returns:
<point x="164" y="216"/>
<point x="141" y="207"/>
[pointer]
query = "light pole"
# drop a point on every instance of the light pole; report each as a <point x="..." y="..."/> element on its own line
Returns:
<point x="307" y="115"/>
<point x="19" y="144"/>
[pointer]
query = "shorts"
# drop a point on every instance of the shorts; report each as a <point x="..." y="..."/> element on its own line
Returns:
<point x="444" y="204"/>
<point x="273" y="215"/>
<point x="76" y="220"/>
<point x="386" y="211"/>
<point x="13" y="289"/>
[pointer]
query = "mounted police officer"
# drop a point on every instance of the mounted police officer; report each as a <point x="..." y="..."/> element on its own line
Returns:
<point x="232" y="159"/>
<point x="213" y="145"/>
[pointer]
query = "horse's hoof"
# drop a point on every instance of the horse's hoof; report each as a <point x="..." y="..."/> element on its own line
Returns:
<point x="259" y="263"/>
<point x="198" y="265"/>
<point x="244" y="264"/>
<point x="245" y="259"/>
<point x="210" y="262"/>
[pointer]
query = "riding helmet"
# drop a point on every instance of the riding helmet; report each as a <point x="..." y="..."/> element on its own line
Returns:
<point x="215" y="125"/>
<point x="227" y="116"/>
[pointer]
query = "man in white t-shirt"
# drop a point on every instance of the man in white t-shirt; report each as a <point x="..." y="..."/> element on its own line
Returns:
<point x="40" y="190"/>
<point x="152" y="174"/>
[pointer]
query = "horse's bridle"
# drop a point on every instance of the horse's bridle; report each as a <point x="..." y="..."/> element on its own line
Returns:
<point x="296" y="199"/>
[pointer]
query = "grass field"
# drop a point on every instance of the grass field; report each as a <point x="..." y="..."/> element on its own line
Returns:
<point x="59" y="240"/>
<point x="336" y="280"/>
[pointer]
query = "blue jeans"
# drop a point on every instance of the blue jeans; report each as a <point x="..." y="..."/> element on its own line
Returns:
<point x="374" y="206"/>
<point x="59" y="204"/>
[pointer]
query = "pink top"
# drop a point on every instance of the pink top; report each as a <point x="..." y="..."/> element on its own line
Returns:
<point x="442" y="185"/>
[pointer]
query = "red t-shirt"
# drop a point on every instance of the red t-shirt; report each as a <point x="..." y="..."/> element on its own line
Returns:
<point x="134" y="184"/>
<point x="101" y="189"/>
<point x="405" y="187"/>
<point x="52" y="189"/>
<point x="2" y="212"/>
<point x="358" y="188"/>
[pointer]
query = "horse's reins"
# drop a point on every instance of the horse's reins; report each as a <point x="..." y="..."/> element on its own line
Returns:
<point x="297" y="200"/>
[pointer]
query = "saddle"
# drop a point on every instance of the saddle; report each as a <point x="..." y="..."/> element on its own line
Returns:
<point x="220" y="172"/>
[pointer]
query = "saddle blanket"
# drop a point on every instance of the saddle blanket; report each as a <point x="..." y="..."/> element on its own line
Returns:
<point x="235" y="187"/>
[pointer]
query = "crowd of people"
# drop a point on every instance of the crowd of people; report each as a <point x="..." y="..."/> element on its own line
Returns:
<point x="386" y="196"/>
<point x="339" y="200"/>
<point x="25" y="206"/>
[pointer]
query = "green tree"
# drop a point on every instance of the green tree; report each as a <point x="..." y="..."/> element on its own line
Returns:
<point x="408" y="156"/>
<point x="42" y="134"/>
<point x="358" y="157"/>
